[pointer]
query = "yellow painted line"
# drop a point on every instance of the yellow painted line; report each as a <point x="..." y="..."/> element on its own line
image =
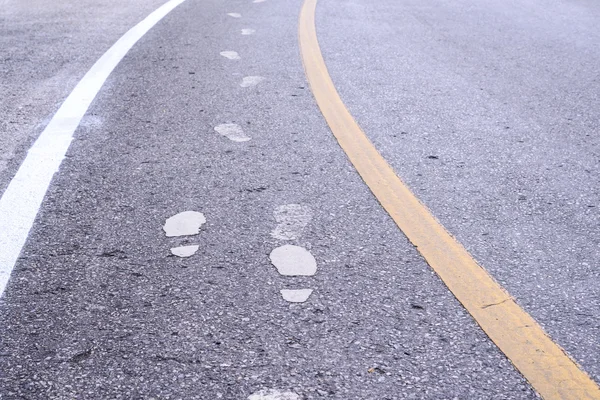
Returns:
<point x="541" y="361"/>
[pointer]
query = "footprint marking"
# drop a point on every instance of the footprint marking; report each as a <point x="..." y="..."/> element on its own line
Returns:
<point x="249" y="81"/>
<point x="185" y="251"/>
<point x="293" y="260"/>
<point x="288" y="259"/>
<point x="248" y="31"/>
<point x="233" y="132"/>
<point x="296" y="295"/>
<point x="235" y="15"/>
<point x="273" y="394"/>
<point x="232" y="55"/>
<point x="185" y="223"/>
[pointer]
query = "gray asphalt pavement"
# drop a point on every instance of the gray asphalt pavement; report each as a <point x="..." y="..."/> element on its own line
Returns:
<point x="488" y="112"/>
<point x="45" y="49"/>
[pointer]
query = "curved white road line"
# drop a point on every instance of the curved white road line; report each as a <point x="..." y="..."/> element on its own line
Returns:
<point x="23" y="197"/>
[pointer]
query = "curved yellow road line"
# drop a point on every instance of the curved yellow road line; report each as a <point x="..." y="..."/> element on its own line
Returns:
<point x="543" y="363"/>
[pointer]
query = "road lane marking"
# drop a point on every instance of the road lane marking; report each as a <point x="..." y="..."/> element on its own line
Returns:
<point x="186" y="223"/>
<point x="541" y="361"/>
<point x="248" y="31"/>
<point x="249" y="81"/>
<point x="232" y="55"/>
<point x="235" y="15"/>
<point x="291" y="220"/>
<point x="25" y="193"/>
<point x="233" y="132"/>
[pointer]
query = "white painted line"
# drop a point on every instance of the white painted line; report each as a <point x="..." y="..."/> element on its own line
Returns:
<point x="185" y="251"/>
<point x="232" y="55"/>
<point x="23" y="197"/>
<point x="291" y="219"/>
<point x="185" y="223"/>
<point x="248" y="31"/>
<point x="273" y="394"/>
<point x="296" y="295"/>
<point x="293" y="261"/>
<point x="232" y="132"/>
<point x="235" y="15"/>
<point x="249" y="81"/>
<point x="259" y="1"/>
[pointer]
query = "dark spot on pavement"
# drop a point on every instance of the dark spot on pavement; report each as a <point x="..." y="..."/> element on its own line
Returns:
<point x="81" y="356"/>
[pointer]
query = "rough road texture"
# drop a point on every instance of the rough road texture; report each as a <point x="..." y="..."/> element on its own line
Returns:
<point x="98" y="307"/>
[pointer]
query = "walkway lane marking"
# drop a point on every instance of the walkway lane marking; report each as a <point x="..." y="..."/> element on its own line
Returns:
<point x="23" y="197"/>
<point x="541" y="361"/>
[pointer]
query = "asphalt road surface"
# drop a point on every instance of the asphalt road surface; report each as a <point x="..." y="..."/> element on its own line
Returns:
<point x="287" y="279"/>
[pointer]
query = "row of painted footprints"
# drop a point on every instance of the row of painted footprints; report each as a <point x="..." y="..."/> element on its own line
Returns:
<point x="231" y="131"/>
<point x="289" y="260"/>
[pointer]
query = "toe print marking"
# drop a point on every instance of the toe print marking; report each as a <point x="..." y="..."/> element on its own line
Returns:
<point x="273" y="394"/>
<point x="296" y="295"/>
<point x="185" y="251"/>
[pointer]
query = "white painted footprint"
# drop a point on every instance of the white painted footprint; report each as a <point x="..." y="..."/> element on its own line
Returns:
<point x="233" y="132"/>
<point x="249" y="81"/>
<point x="296" y="295"/>
<point x="187" y="223"/>
<point x="235" y="15"/>
<point x="231" y="55"/>
<point x="273" y="394"/>
<point x="248" y="31"/>
<point x="185" y="251"/>
<point x="293" y="260"/>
